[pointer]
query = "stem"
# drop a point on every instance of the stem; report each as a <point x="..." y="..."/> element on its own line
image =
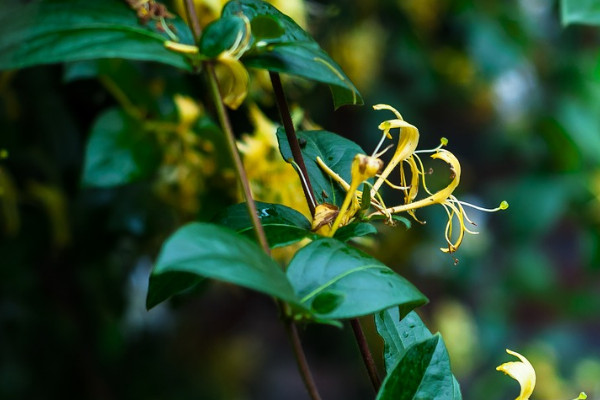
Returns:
<point x="361" y="340"/>
<point x="190" y="10"/>
<point x="290" y="326"/>
<point x="286" y="119"/>
<point x="233" y="151"/>
<point x="307" y="377"/>
<point x="290" y="132"/>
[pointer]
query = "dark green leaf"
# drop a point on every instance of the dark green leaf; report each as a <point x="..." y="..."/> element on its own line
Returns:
<point x="118" y="151"/>
<point x="363" y="284"/>
<point x="337" y="153"/>
<point x="353" y="230"/>
<point x="163" y="286"/>
<point x="422" y="373"/>
<point x="221" y="35"/>
<point x="283" y="46"/>
<point x="266" y="27"/>
<point x="283" y="225"/>
<point x="399" y="334"/>
<point x="580" y="12"/>
<point x="211" y="251"/>
<point x="54" y="31"/>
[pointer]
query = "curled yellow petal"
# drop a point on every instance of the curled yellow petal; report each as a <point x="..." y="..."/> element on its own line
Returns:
<point x="522" y="371"/>
<point x="233" y="80"/>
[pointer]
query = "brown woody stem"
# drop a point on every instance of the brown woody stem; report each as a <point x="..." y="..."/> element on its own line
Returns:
<point x="290" y="132"/>
<point x="365" y="352"/>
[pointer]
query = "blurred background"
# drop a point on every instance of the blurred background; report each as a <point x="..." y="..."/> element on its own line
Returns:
<point x="516" y="94"/>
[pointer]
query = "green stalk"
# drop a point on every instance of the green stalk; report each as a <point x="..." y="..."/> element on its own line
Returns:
<point x="286" y="120"/>
<point x="290" y="326"/>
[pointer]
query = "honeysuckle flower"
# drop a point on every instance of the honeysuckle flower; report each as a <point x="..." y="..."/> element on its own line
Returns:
<point x="406" y="154"/>
<point x="522" y="371"/>
<point x="231" y="73"/>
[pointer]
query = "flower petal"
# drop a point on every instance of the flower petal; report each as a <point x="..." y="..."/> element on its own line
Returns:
<point x="522" y="371"/>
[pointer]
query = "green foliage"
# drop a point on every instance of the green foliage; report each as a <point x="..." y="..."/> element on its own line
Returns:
<point x="282" y="225"/>
<point x="335" y="151"/>
<point x="54" y="31"/>
<point x="580" y="12"/>
<point x="119" y="151"/>
<point x="423" y="372"/>
<point x="337" y="281"/>
<point x="221" y="35"/>
<point x="280" y="45"/>
<point x="353" y="230"/>
<point x="211" y="251"/>
<point x="401" y="334"/>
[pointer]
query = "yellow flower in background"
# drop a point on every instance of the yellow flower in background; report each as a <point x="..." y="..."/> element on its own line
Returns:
<point x="271" y="178"/>
<point x="359" y="52"/>
<point x="188" y="159"/>
<point x="522" y="371"/>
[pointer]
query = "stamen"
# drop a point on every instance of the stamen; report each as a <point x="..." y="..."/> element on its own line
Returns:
<point x="502" y="206"/>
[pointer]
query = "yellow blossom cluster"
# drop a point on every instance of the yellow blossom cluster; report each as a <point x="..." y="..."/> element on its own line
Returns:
<point x="412" y="180"/>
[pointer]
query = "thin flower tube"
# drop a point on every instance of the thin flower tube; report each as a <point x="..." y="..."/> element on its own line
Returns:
<point x="406" y="154"/>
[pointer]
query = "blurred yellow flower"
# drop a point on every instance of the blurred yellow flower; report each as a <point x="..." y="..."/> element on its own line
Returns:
<point x="522" y="371"/>
<point x="271" y="178"/>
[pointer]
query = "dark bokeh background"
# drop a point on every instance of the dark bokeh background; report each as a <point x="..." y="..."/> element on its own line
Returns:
<point x="516" y="94"/>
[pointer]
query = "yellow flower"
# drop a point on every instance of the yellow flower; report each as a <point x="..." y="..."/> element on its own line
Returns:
<point x="406" y="153"/>
<point x="522" y="371"/>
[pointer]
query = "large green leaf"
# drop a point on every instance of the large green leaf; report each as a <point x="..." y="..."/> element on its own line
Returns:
<point x="280" y="45"/>
<point x="283" y="225"/>
<point x="338" y="281"/>
<point x="53" y="31"/>
<point x="163" y="286"/>
<point x="580" y="12"/>
<point x="423" y="372"/>
<point x="211" y="251"/>
<point x="400" y="334"/>
<point x="336" y="151"/>
<point x="118" y="151"/>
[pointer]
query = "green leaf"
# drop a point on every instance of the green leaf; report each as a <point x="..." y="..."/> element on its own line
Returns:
<point x="400" y="334"/>
<point x="221" y="35"/>
<point x="585" y="12"/>
<point x="280" y="45"/>
<point x="283" y="225"/>
<point x="163" y="286"/>
<point x="54" y="31"/>
<point x="329" y="272"/>
<point x="118" y="151"/>
<point x="336" y="151"/>
<point x="211" y="251"/>
<point x="423" y="372"/>
<point x="353" y="230"/>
